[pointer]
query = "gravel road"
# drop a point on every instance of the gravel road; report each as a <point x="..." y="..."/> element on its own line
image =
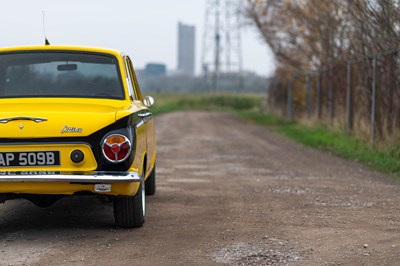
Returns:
<point x="229" y="192"/>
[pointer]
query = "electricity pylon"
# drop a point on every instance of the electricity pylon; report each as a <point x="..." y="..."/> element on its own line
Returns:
<point x="222" y="48"/>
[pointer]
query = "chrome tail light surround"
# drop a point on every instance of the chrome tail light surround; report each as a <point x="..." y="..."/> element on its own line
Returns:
<point x="116" y="148"/>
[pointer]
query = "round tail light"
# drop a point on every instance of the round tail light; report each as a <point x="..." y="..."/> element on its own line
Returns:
<point x="116" y="148"/>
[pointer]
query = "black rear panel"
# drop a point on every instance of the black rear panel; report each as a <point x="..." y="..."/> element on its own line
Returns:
<point x="123" y="126"/>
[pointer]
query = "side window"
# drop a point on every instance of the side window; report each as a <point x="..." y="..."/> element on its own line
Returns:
<point x="134" y="80"/>
<point x="129" y="80"/>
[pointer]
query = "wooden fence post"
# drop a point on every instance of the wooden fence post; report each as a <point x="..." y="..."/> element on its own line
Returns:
<point x="373" y="100"/>
<point x="308" y="91"/>
<point x="290" y="100"/>
<point x="349" y="102"/>
<point x="318" y="84"/>
<point x="330" y="96"/>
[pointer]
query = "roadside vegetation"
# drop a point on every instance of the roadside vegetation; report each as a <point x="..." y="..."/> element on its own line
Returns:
<point x="205" y="102"/>
<point x="381" y="157"/>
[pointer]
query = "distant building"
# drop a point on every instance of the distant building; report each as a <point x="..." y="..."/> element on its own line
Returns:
<point x="186" y="49"/>
<point x="153" y="70"/>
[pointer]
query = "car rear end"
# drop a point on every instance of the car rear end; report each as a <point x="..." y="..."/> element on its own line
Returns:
<point x="60" y="129"/>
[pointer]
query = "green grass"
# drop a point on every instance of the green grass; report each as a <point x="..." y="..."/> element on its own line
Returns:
<point x="379" y="157"/>
<point x="192" y="102"/>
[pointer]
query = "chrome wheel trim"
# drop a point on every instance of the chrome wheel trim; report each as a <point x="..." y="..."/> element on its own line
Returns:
<point x="143" y="200"/>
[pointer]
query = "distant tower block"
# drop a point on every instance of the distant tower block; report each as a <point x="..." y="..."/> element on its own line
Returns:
<point x="186" y="49"/>
<point x="222" y="48"/>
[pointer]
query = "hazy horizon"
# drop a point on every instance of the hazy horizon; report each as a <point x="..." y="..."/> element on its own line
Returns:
<point x="145" y="30"/>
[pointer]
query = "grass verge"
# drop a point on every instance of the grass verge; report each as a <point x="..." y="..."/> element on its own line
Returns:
<point x="191" y="102"/>
<point x="379" y="157"/>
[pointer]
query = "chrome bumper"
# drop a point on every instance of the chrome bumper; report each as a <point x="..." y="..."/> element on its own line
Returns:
<point x="76" y="177"/>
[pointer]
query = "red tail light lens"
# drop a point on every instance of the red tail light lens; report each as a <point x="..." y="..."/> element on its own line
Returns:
<point x="116" y="148"/>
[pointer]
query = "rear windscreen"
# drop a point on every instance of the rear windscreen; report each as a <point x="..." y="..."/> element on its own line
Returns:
<point x="59" y="74"/>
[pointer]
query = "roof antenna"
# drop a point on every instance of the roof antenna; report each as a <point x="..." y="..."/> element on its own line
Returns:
<point x="46" y="42"/>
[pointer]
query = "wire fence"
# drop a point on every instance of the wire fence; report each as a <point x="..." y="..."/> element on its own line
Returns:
<point x="362" y="96"/>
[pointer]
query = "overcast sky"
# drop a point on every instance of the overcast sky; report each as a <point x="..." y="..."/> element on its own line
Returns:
<point x="146" y="30"/>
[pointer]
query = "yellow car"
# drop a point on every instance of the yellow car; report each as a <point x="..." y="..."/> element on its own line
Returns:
<point x="73" y="121"/>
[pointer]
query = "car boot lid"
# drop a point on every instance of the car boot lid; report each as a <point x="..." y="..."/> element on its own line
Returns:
<point x="54" y="119"/>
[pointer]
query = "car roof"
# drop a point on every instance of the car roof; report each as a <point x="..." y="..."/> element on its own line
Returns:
<point x="61" y="48"/>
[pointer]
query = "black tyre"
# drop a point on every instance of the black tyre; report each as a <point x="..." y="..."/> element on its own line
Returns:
<point x="129" y="212"/>
<point x="151" y="183"/>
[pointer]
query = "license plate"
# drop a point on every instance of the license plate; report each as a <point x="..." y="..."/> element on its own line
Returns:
<point x="28" y="159"/>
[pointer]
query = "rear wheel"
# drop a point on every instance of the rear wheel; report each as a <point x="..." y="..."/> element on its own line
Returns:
<point x="151" y="183"/>
<point x="129" y="212"/>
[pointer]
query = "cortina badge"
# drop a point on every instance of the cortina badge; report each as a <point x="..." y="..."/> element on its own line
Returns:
<point x="66" y="129"/>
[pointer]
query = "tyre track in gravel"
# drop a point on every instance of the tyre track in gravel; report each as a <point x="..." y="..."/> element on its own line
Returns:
<point x="229" y="192"/>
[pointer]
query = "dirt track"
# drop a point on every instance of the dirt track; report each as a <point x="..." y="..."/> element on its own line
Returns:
<point x="228" y="192"/>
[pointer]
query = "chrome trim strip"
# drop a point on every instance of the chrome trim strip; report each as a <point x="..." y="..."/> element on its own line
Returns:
<point x="90" y="178"/>
<point x="141" y="123"/>
<point x="145" y="115"/>
<point x="27" y="118"/>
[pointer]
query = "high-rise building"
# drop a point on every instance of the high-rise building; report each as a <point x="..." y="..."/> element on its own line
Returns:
<point x="186" y="49"/>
